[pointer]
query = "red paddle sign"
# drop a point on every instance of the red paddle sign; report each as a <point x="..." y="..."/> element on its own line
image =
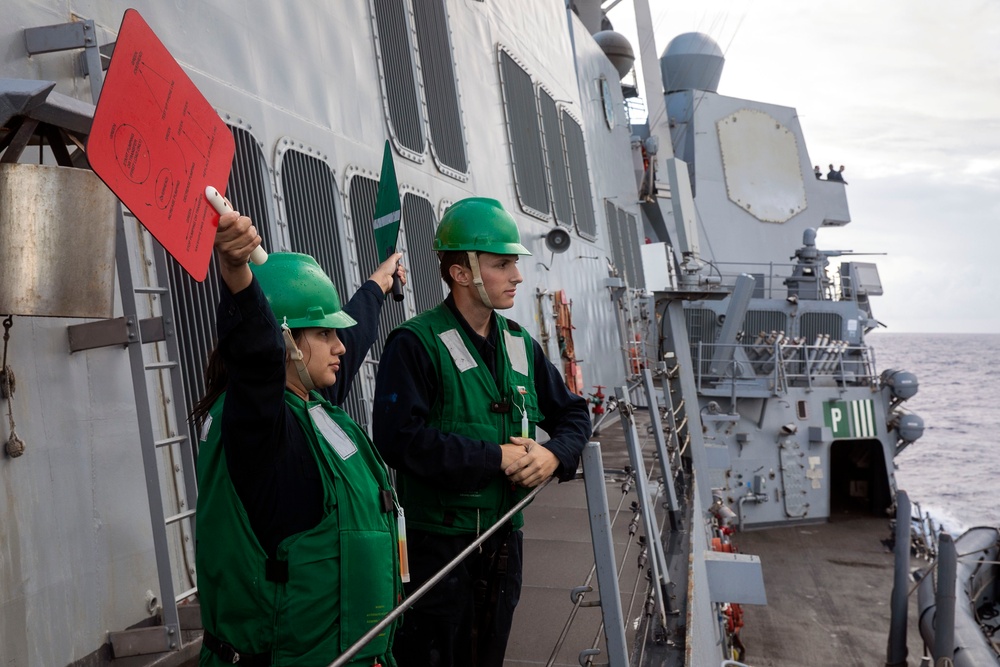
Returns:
<point x="158" y="143"/>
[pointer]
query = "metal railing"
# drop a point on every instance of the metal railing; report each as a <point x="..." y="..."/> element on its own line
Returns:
<point x="600" y="525"/>
<point x="430" y="583"/>
<point x="776" y="362"/>
<point x="607" y="567"/>
<point x="828" y="285"/>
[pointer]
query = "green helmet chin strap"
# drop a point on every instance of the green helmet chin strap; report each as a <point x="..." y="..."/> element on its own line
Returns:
<point x="296" y="356"/>
<point x="477" y="278"/>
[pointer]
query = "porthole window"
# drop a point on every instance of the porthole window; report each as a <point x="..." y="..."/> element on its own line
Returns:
<point x="440" y="89"/>
<point x="579" y="175"/>
<point x="362" y="192"/>
<point x="420" y="224"/>
<point x="525" y="137"/>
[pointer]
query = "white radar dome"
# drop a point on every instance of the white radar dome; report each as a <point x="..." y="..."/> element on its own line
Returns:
<point x="692" y="61"/>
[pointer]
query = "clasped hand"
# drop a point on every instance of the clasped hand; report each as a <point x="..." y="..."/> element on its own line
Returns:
<point x="527" y="463"/>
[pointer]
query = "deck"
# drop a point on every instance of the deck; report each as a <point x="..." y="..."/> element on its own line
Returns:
<point x="828" y="584"/>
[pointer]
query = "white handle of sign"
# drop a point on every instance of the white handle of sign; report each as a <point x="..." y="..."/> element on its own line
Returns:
<point x="259" y="255"/>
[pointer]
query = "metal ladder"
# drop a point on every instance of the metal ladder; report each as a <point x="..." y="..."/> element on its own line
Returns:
<point x="156" y="377"/>
<point x="147" y="330"/>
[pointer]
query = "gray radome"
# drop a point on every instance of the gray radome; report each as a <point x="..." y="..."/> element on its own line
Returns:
<point x="618" y="50"/>
<point x="902" y="384"/>
<point x="910" y="427"/>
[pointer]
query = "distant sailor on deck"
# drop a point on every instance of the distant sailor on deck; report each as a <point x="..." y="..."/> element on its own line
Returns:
<point x="296" y="554"/>
<point x="460" y="392"/>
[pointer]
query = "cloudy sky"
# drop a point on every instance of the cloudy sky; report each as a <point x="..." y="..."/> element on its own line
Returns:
<point x="906" y="94"/>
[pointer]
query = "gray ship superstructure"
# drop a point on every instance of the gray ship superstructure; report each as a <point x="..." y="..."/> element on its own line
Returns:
<point x="772" y="408"/>
<point x="796" y="418"/>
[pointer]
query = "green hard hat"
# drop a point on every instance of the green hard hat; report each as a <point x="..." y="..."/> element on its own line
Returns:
<point x="300" y="293"/>
<point x="481" y="224"/>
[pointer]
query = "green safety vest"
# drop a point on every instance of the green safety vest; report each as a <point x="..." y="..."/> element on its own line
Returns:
<point x="343" y="574"/>
<point x="463" y="406"/>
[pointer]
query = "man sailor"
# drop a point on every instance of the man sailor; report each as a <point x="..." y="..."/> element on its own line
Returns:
<point x="460" y="392"/>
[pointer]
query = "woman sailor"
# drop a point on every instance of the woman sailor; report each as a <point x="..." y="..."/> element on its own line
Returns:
<point x="296" y="525"/>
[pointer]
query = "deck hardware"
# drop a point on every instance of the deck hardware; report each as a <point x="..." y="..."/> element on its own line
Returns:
<point x="577" y="593"/>
<point x="14" y="446"/>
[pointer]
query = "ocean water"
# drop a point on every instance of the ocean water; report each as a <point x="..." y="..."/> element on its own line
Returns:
<point x="952" y="471"/>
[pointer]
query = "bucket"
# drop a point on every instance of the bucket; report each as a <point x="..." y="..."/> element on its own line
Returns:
<point x="57" y="242"/>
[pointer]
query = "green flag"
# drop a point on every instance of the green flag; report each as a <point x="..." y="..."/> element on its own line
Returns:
<point x="387" y="209"/>
<point x="387" y="215"/>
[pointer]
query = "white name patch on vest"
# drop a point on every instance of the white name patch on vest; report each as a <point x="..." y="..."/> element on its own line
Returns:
<point x="332" y="432"/>
<point x="517" y="355"/>
<point x="456" y="348"/>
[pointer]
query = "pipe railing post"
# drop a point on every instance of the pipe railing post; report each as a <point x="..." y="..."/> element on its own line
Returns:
<point x="896" y="652"/>
<point x="661" y="446"/>
<point x="604" y="555"/>
<point x="944" y="599"/>
<point x="658" y="561"/>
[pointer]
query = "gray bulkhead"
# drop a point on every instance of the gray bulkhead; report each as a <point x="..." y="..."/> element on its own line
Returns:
<point x="795" y="424"/>
<point x="752" y="179"/>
